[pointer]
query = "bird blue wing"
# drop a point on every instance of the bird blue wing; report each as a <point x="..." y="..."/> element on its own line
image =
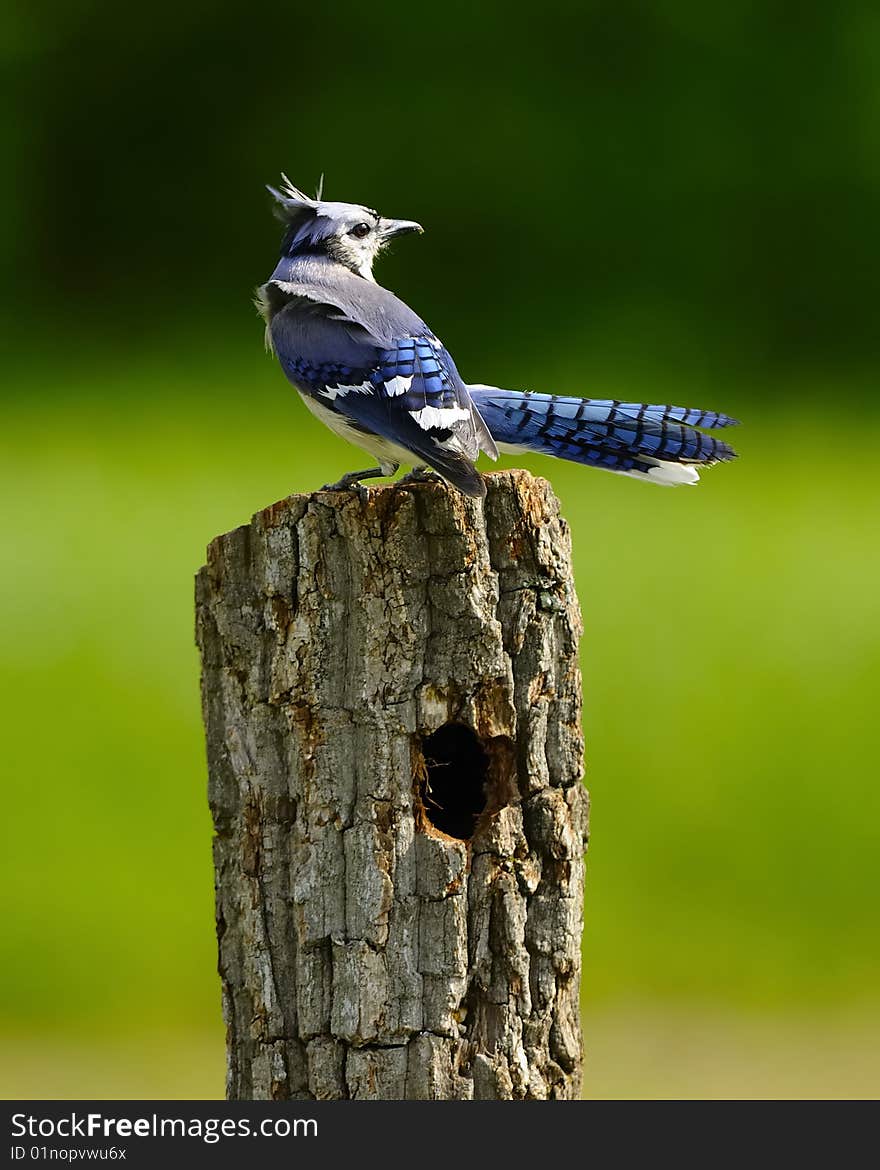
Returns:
<point x="409" y="392"/>
<point x="418" y="376"/>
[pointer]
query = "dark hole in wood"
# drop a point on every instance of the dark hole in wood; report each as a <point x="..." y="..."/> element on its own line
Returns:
<point x="454" y="787"/>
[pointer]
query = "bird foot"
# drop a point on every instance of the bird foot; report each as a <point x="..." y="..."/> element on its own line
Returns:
<point x="419" y="475"/>
<point x="351" y="482"/>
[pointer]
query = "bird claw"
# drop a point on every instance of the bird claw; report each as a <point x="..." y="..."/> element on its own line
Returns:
<point x="419" y="475"/>
<point x="351" y="482"/>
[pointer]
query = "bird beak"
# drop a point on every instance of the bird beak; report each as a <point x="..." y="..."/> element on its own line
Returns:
<point x="399" y="227"/>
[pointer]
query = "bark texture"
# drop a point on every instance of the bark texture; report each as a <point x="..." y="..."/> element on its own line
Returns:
<point x="364" y="952"/>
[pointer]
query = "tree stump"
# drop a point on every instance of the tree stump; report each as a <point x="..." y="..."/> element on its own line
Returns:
<point x="391" y="698"/>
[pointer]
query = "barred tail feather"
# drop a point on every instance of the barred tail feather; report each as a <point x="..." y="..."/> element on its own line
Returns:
<point x="658" y="443"/>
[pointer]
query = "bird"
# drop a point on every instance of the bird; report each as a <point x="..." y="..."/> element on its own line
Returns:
<point x="371" y="369"/>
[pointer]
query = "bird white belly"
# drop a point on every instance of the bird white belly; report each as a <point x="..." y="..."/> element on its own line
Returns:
<point x="389" y="455"/>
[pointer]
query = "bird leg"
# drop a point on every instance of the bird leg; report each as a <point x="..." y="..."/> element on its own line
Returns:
<point x="420" y="475"/>
<point x="352" y="480"/>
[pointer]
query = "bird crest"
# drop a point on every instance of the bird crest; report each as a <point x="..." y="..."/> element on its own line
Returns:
<point x="291" y="203"/>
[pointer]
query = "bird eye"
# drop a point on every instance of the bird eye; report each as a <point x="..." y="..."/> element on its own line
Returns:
<point x="360" y="230"/>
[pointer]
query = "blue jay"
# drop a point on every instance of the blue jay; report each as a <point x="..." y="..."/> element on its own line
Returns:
<point x="374" y="372"/>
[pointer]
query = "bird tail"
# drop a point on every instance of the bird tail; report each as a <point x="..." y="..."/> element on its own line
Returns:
<point x="657" y="443"/>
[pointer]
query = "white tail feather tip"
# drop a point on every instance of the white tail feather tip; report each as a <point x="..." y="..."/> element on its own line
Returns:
<point x="674" y="473"/>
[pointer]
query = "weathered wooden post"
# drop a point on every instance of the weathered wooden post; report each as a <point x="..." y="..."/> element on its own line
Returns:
<point x="392" y="705"/>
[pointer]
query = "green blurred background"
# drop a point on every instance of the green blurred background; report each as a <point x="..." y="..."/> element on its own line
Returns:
<point x="674" y="202"/>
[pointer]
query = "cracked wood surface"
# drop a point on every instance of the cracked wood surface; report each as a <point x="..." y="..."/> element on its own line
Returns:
<point x="363" y="953"/>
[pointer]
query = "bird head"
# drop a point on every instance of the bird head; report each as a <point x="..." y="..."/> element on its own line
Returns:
<point x="346" y="232"/>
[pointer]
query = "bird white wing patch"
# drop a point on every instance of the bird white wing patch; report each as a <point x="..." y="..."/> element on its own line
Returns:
<point x="439" y="417"/>
<point x="397" y="385"/>
<point x="334" y="392"/>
